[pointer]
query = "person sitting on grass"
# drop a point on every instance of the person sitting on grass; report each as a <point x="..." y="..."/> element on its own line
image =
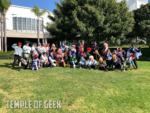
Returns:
<point x="26" y="61"/>
<point x="108" y="58"/>
<point x="52" y="61"/>
<point x="81" y="62"/>
<point x="130" y="61"/>
<point x="91" y="63"/>
<point x="35" y="62"/>
<point x="17" y="54"/>
<point x="44" y="60"/>
<point x="102" y="65"/>
<point x="116" y="62"/>
<point x="73" y="61"/>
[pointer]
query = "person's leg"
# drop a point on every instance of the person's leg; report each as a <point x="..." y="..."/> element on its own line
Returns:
<point x="15" y="59"/>
<point x="19" y="60"/>
<point x="135" y="63"/>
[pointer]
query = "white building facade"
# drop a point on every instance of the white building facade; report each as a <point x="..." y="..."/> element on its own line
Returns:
<point x="22" y="25"/>
<point x="135" y="4"/>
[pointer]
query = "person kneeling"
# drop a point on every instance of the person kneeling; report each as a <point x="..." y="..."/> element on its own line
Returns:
<point x="35" y="62"/>
<point x="26" y="61"/>
<point x="116" y="62"/>
<point x="102" y="65"/>
<point x="52" y="62"/>
<point x="91" y="63"/>
<point x="44" y="60"/>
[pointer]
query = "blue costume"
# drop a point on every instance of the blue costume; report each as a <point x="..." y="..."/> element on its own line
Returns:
<point x="35" y="65"/>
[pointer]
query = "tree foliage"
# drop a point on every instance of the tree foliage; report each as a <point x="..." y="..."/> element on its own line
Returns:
<point x="142" y="25"/>
<point x="91" y="20"/>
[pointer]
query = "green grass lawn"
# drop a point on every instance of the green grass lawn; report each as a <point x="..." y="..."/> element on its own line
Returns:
<point x="81" y="90"/>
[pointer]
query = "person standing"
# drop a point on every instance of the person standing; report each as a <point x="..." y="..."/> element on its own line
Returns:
<point x="136" y="54"/>
<point x="26" y="48"/>
<point x="17" y="54"/>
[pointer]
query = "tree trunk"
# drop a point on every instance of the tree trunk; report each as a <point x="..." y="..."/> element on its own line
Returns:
<point x="5" y="35"/>
<point x="2" y="32"/>
<point x="38" y="32"/>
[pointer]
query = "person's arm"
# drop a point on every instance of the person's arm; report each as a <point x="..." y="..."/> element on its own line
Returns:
<point x="14" y="46"/>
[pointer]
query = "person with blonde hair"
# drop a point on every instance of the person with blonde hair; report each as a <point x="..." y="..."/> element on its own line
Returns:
<point x="116" y="62"/>
<point x="105" y="49"/>
<point x="96" y="55"/>
<point x="102" y="65"/>
<point x="91" y="63"/>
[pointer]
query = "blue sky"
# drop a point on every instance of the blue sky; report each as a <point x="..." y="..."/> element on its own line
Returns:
<point x="43" y="4"/>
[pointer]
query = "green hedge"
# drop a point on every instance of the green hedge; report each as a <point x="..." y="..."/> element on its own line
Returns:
<point x="144" y="57"/>
<point x="7" y="55"/>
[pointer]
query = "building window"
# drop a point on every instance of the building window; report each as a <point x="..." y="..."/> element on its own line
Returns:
<point x="33" y="24"/>
<point x="19" y="23"/>
<point x="23" y="23"/>
<point x="29" y="24"/>
<point x="14" y="23"/>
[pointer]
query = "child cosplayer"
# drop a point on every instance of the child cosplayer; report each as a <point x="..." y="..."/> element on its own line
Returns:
<point x="17" y="54"/>
<point x="82" y="62"/>
<point x="130" y="62"/>
<point x="35" y="63"/>
<point x="102" y="65"/>
<point x="91" y="63"/>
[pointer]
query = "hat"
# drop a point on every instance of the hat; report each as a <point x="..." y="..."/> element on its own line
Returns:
<point x="89" y="49"/>
<point x="44" y="53"/>
<point x="132" y="54"/>
<point x="34" y="43"/>
<point x="27" y="42"/>
<point x="35" y="56"/>
<point x="94" y="43"/>
<point x="19" y="43"/>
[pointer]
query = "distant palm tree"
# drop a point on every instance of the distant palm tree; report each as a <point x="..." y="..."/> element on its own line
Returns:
<point x="4" y="5"/>
<point x="38" y="13"/>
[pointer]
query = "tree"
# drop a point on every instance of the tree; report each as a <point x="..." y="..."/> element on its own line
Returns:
<point x="4" y="5"/>
<point x="92" y="20"/>
<point x="142" y="25"/>
<point x="38" y="13"/>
